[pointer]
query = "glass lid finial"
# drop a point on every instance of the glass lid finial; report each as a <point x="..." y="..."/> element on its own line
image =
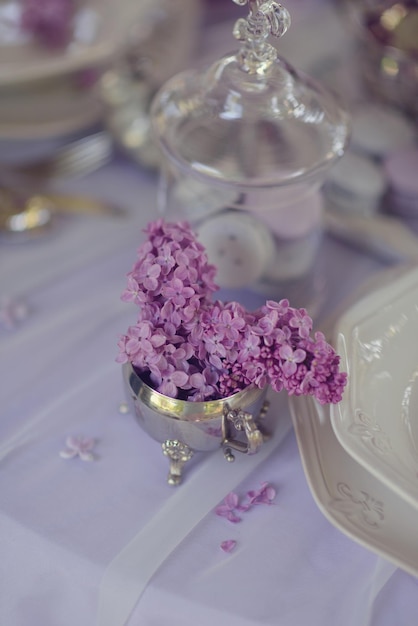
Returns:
<point x="264" y="19"/>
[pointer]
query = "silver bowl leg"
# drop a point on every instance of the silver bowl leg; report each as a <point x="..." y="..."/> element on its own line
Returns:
<point x="178" y="454"/>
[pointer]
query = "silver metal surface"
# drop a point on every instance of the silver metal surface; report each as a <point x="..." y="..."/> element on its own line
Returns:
<point x="179" y="454"/>
<point x="197" y="426"/>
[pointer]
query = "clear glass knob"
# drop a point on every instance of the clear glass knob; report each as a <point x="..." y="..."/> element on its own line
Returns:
<point x="265" y="19"/>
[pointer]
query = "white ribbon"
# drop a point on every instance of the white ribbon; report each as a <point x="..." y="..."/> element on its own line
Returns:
<point x="382" y="574"/>
<point x="128" y="574"/>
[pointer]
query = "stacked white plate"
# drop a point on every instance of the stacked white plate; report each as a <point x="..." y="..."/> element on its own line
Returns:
<point x="46" y="93"/>
<point x="361" y="455"/>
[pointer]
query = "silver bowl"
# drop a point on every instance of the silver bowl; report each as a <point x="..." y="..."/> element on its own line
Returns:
<point x="184" y="427"/>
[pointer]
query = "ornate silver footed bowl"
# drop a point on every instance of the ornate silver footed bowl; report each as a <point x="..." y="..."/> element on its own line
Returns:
<point x="182" y="427"/>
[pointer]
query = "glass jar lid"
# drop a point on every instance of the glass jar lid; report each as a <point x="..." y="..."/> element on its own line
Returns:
<point x="250" y="118"/>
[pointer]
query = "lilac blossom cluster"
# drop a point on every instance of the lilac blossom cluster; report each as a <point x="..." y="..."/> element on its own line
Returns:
<point x="187" y="345"/>
<point x="50" y="21"/>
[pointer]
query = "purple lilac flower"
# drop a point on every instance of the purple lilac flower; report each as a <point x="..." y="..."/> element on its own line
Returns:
<point x="177" y="291"/>
<point x="302" y="322"/>
<point x="148" y="274"/>
<point x="185" y="344"/>
<point x="50" y="21"/>
<point x="230" y="324"/>
<point x="291" y="358"/>
<point x="169" y="380"/>
<point x="201" y="382"/>
<point x="133" y="292"/>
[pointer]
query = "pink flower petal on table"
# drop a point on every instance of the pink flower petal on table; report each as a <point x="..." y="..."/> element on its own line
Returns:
<point x="230" y="515"/>
<point x="231" y="500"/>
<point x="264" y="495"/>
<point x="228" y="545"/>
<point x="227" y="508"/>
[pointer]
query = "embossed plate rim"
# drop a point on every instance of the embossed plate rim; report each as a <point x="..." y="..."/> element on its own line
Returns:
<point x="396" y="472"/>
<point x="392" y="529"/>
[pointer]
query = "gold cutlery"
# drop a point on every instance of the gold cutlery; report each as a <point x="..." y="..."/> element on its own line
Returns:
<point x="34" y="212"/>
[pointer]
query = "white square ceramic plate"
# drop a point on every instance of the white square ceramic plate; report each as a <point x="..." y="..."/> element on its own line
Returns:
<point x="353" y="500"/>
<point x="100" y="31"/>
<point x="377" y="420"/>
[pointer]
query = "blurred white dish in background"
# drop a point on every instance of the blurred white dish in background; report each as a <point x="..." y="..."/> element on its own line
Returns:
<point x="46" y="109"/>
<point x="38" y="118"/>
<point x="377" y="419"/>
<point x="401" y="168"/>
<point x="350" y="497"/>
<point x="379" y="129"/>
<point x="383" y="236"/>
<point x="356" y="184"/>
<point x="100" y="32"/>
<point x="48" y="96"/>
<point x="17" y="152"/>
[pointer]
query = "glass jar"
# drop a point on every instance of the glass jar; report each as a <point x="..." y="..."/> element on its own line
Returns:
<point x="246" y="145"/>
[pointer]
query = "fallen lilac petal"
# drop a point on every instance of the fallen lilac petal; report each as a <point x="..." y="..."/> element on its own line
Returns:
<point x="233" y="517"/>
<point x="270" y="494"/>
<point x="227" y="508"/>
<point x="76" y="446"/>
<point x="223" y="511"/>
<point x="231" y="500"/>
<point x="228" y="545"/>
<point x="264" y="495"/>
